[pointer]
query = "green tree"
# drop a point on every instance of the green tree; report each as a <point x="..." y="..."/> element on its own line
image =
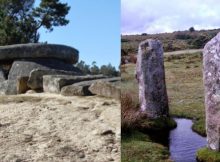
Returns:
<point x="94" y="69"/>
<point x="108" y="70"/>
<point x="83" y="67"/>
<point x="20" y="21"/>
<point x="191" y="29"/>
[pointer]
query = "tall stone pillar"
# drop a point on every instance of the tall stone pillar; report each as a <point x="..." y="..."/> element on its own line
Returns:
<point x="151" y="78"/>
<point x="211" y="78"/>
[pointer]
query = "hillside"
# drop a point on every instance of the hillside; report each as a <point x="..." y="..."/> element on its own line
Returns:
<point x="179" y="40"/>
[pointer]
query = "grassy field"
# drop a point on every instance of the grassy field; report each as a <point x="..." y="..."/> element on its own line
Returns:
<point x="186" y="99"/>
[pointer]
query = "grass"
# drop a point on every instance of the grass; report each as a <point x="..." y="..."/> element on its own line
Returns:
<point x="206" y="155"/>
<point x="185" y="88"/>
<point x="186" y="99"/>
<point x="137" y="147"/>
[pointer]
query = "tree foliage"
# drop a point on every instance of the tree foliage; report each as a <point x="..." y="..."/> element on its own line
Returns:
<point x="107" y="70"/>
<point x="20" y="20"/>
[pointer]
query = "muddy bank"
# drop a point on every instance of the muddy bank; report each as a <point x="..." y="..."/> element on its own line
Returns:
<point x="45" y="127"/>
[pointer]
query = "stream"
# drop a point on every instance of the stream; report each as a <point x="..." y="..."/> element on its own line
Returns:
<point x="183" y="142"/>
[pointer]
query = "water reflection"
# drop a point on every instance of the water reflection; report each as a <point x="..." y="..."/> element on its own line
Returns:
<point x="183" y="142"/>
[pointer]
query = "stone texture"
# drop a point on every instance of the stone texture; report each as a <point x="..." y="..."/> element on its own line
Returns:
<point x="3" y="87"/>
<point x="22" y="86"/>
<point x="35" y="80"/>
<point x="82" y="88"/>
<point x="211" y="77"/>
<point x="2" y="75"/>
<point x="107" y="88"/>
<point x="22" y="68"/>
<point x="151" y="78"/>
<point x="39" y="50"/>
<point x="54" y="83"/>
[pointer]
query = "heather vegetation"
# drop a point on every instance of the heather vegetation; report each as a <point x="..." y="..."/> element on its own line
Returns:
<point x="178" y="40"/>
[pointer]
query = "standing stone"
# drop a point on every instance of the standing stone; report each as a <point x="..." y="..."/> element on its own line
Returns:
<point x="211" y="77"/>
<point x="151" y="78"/>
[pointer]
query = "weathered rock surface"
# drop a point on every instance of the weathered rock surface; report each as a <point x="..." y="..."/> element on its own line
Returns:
<point x="2" y="75"/>
<point x="211" y="77"/>
<point x="151" y="78"/>
<point x="3" y="87"/>
<point x="54" y="83"/>
<point x="77" y="89"/>
<point x="22" y="68"/>
<point x="107" y="88"/>
<point x="35" y="80"/>
<point x="39" y="50"/>
<point x="22" y="86"/>
<point x="82" y="88"/>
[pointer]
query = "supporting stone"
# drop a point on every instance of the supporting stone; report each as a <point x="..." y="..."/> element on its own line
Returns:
<point x="22" y="68"/>
<point x="54" y="83"/>
<point x="211" y="77"/>
<point x="35" y="80"/>
<point x="151" y="78"/>
<point x="22" y="86"/>
<point x="110" y="88"/>
<point x="82" y="88"/>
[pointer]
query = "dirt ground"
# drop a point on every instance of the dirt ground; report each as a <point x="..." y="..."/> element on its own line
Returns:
<point x="53" y="128"/>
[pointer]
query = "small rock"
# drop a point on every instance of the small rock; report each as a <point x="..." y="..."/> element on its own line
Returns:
<point x="106" y="132"/>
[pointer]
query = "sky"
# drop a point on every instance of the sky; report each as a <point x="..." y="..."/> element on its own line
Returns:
<point x="158" y="16"/>
<point x="94" y="30"/>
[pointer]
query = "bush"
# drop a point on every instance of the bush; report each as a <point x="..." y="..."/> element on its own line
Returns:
<point x="191" y="29"/>
<point x="129" y="113"/>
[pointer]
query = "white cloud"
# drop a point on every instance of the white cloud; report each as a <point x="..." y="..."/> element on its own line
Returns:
<point x="155" y="16"/>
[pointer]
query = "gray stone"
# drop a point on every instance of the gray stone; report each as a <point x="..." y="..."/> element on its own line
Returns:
<point x="107" y="88"/>
<point x="54" y="83"/>
<point x="22" y="68"/>
<point x="39" y="50"/>
<point x="22" y="86"/>
<point x="211" y="77"/>
<point x="82" y="88"/>
<point x="36" y="77"/>
<point x="76" y="90"/>
<point x="2" y="75"/>
<point x="151" y="78"/>
<point x="3" y="87"/>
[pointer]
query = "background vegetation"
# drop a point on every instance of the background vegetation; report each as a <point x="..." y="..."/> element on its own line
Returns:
<point x="20" y="20"/>
<point x="179" y="40"/>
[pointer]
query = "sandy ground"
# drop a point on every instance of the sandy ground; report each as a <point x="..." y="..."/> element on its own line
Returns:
<point x="52" y="128"/>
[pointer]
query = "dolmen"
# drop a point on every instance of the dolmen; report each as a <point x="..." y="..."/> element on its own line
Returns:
<point x="150" y="75"/>
<point x="211" y="78"/>
<point x="43" y="67"/>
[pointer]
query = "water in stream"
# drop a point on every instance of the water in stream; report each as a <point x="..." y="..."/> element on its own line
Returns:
<point x="183" y="142"/>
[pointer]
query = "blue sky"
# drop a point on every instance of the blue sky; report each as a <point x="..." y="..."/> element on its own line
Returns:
<point x="94" y="30"/>
<point x="157" y="16"/>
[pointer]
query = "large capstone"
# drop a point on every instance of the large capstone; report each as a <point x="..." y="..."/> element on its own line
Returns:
<point x="211" y="77"/>
<point x="39" y="50"/>
<point x="151" y="78"/>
